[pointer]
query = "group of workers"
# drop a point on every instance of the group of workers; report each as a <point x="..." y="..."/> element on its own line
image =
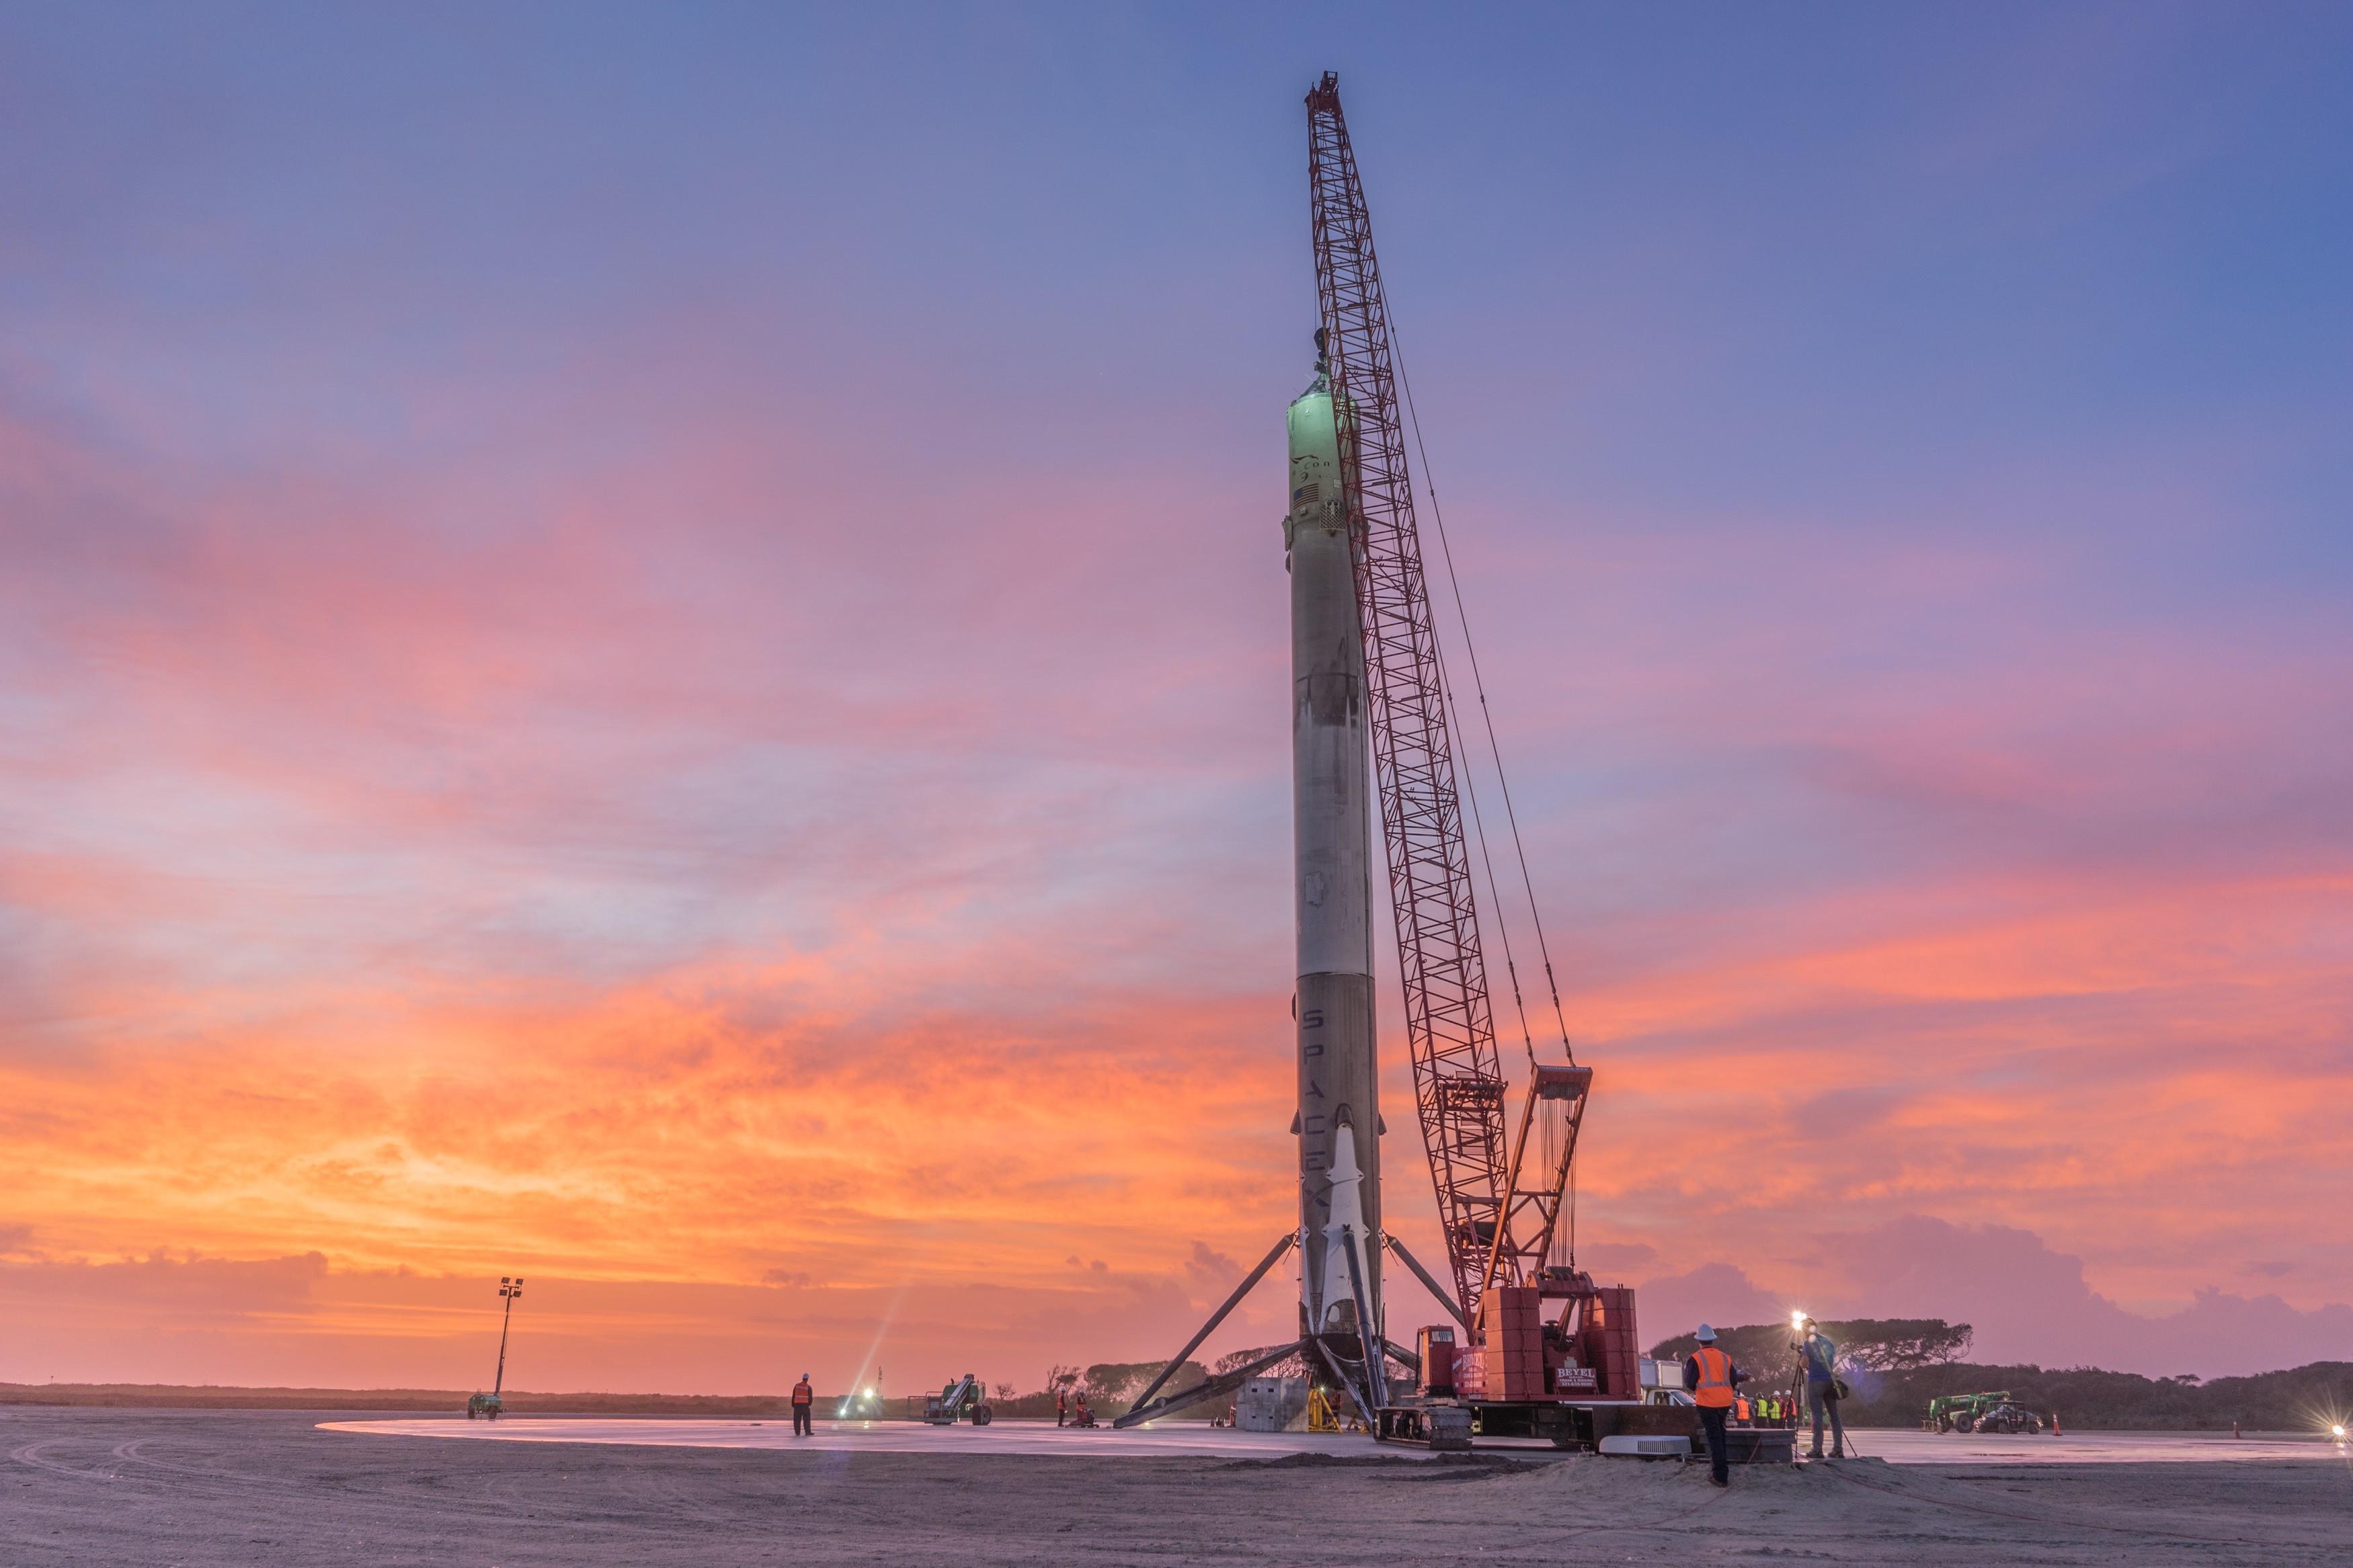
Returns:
<point x="1070" y="1409"/>
<point x="1714" y="1386"/>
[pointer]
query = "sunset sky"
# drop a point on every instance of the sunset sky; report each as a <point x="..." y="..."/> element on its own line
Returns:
<point x="646" y="647"/>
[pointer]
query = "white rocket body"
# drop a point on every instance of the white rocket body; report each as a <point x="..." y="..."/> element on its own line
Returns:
<point x="1339" y="1121"/>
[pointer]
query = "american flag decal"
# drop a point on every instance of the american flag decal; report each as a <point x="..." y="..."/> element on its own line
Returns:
<point x="1307" y="494"/>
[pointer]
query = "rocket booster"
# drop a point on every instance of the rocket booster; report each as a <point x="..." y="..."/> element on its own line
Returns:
<point x="1339" y="1120"/>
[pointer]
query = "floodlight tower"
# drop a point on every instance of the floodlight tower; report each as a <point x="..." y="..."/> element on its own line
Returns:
<point x="508" y="1290"/>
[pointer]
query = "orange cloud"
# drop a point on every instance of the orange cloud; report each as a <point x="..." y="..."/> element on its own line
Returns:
<point x="783" y="890"/>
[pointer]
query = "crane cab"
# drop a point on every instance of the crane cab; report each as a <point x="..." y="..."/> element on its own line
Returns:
<point x="1434" y="1347"/>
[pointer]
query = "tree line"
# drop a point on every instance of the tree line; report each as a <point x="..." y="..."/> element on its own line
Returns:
<point x="1896" y="1366"/>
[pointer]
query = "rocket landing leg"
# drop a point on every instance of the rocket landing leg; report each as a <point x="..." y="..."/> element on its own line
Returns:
<point x="1344" y="1356"/>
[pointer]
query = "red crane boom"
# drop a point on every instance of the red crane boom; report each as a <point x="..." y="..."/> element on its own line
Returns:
<point x="1449" y="1025"/>
<point x="1499" y="1219"/>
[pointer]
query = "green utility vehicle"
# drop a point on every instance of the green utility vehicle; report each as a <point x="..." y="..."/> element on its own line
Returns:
<point x="1980" y="1413"/>
<point x="962" y="1398"/>
<point x="485" y="1407"/>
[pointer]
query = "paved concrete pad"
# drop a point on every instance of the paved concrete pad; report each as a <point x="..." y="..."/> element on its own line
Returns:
<point x="1189" y="1440"/>
<point x="1171" y="1440"/>
<point x="1005" y="1436"/>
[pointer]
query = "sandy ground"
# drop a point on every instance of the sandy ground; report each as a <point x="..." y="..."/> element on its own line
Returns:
<point x="206" y="1488"/>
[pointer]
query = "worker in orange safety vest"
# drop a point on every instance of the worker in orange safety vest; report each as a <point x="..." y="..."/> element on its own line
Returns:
<point x="1713" y="1380"/>
<point x="803" y="1399"/>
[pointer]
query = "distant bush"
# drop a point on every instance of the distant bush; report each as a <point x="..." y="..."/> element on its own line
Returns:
<point x="1293" y="1366"/>
<point x="2300" y="1399"/>
<point x="1865" y="1344"/>
<point x="1897" y="1365"/>
<point x="1111" y="1388"/>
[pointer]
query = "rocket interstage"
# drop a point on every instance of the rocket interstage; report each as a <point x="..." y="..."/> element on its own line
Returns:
<point x="1339" y="1120"/>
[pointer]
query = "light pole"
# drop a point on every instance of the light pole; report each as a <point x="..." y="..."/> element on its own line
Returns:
<point x="508" y="1290"/>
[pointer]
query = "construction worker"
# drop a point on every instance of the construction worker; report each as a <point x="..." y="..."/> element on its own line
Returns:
<point x="1061" y="1405"/>
<point x="1711" y="1379"/>
<point x="804" y="1399"/>
<point x="1821" y="1389"/>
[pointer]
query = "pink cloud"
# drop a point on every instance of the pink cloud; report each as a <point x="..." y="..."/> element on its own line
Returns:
<point x="655" y="820"/>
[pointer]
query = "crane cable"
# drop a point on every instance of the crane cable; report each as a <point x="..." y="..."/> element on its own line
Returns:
<point x="1478" y="685"/>
<point x="1486" y="715"/>
<point x="1479" y="831"/>
<point x="1453" y="724"/>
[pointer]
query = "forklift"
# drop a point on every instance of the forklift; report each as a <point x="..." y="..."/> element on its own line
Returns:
<point x="962" y="1398"/>
<point x="1980" y="1413"/>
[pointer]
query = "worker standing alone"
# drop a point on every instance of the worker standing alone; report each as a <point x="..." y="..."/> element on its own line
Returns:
<point x="803" y="1399"/>
<point x="1711" y="1377"/>
<point x="1822" y="1390"/>
<point x="1061" y="1405"/>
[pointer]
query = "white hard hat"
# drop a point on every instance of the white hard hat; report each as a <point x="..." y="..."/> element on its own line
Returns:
<point x="1705" y="1336"/>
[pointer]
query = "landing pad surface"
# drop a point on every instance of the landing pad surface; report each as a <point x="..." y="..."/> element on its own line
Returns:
<point x="1172" y="1440"/>
<point x="1190" y="1440"/>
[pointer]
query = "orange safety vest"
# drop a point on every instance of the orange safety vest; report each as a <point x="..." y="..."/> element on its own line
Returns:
<point x="1715" y="1378"/>
<point x="803" y="1394"/>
